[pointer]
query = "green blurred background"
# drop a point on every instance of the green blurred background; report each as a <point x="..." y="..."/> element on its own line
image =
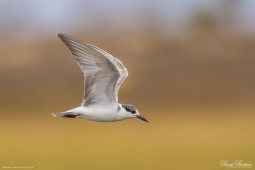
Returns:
<point x="191" y="74"/>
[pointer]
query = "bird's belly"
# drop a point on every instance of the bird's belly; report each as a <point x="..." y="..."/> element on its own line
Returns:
<point x="101" y="114"/>
<point x="104" y="117"/>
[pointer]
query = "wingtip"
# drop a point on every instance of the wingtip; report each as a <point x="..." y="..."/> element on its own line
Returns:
<point x="64" y="36"/>
<point x="60" y="35"/>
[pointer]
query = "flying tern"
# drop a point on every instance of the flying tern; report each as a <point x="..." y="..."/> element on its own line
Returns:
<point x="103" y="76"/>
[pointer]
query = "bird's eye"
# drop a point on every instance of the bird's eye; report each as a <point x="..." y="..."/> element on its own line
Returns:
<point x="133" y="111"/>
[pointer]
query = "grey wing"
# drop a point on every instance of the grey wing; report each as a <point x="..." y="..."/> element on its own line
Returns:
<point x="121" y="68"/>
<point x="100" y="74"/>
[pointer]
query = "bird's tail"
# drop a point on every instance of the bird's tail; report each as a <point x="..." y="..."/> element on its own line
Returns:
<point x="65" y="115"/>
<point x="57" y="114"/>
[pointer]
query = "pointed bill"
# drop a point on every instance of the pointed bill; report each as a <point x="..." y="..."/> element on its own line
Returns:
<point x="142" y="118"/>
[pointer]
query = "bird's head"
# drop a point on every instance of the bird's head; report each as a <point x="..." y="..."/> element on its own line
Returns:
<point x="132" y="112"/>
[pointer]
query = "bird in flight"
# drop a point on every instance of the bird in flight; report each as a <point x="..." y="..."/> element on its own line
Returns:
<point x="103" y="76"/>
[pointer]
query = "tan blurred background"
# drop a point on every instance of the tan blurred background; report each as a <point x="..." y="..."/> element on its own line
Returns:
<point x="191" y="74"/>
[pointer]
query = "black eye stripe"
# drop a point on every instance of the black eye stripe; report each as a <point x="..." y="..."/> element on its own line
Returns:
<point x="129" y="108"/>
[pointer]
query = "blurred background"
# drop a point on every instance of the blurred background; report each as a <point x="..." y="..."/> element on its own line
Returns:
<point x="191" y="70"/>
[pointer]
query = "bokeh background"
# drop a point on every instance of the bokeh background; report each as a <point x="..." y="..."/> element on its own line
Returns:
<point x="191" y="74"/>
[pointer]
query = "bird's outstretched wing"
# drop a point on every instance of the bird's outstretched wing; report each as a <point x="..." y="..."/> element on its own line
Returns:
<point x="100" y="73"/>
<point x="121" y="68"/>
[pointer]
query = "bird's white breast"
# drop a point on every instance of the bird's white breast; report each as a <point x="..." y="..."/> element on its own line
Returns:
<point x="101" y="114"/>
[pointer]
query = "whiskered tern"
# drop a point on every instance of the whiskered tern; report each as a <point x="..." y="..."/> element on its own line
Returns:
<point x="103" y="76"/>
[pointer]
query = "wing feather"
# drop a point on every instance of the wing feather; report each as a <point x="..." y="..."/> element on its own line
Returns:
<point x="100" y="73"/>
<point x="121" y="68"/>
